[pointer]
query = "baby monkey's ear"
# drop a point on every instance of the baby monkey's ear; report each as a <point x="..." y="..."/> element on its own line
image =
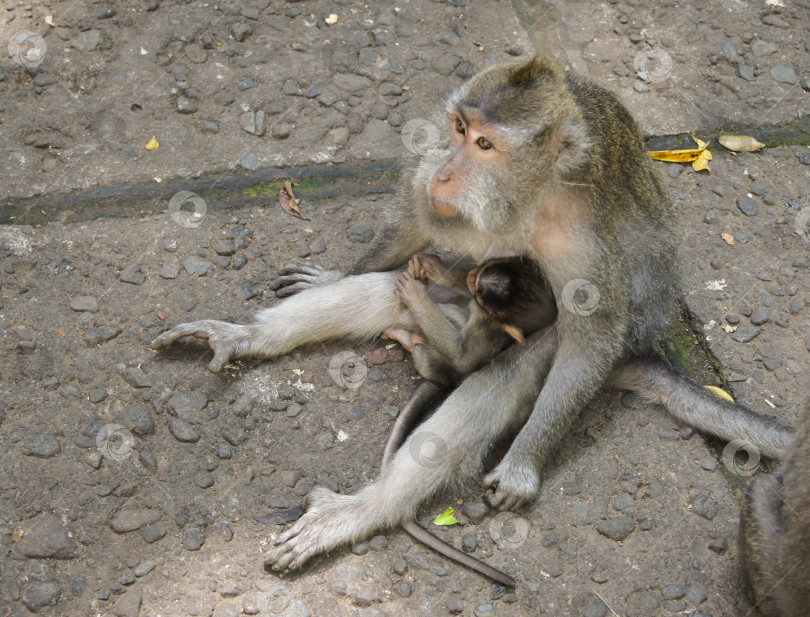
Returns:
<point x="515" y="332"/>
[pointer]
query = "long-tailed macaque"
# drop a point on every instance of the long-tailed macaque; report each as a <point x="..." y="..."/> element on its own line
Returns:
<point x="534" y="162"/>
<point x="509" y="299"/>
<point x="775" y="533"/>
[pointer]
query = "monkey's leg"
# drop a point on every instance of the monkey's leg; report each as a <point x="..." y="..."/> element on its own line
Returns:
<point x="446" y="449"/>
<point x="694" y="405"/>
<point x="357" y="307"/>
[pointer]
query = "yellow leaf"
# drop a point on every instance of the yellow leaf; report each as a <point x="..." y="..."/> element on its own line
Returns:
<point x="718" y="392"/>
<point x="727" y="238"/>
<point x="331" y="20"/>
<point x="676" y="156"/>
<point x="740" y="143"/>
<point x="446" y="518"/>
<point x="702" y="162"/>
<point x="701" y="144"/>
<point x="153" y="144"/>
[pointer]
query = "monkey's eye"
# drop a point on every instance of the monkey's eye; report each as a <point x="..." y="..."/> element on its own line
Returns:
<point x="460" y="128"/>
<point x="483" y="143"/>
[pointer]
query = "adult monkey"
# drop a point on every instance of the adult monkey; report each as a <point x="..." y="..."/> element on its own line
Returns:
<point x="539" y="163"/>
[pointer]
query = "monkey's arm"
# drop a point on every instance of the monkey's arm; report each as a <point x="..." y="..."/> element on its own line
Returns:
<point x="398" y="240"/>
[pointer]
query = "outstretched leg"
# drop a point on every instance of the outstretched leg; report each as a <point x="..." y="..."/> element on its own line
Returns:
<point x="356" y="307"/>
<point x="447" y="448"/>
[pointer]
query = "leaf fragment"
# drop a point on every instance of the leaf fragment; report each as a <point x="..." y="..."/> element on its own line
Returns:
<point x="728" y="239"/>
<point x="17" y="534"/>
<point x="288" y="201"/>
<point x="740" y="143"/>
<point x="719" y="392"/>
<point x="152" y="144"/>
<point x="446" y="518"/>
<point x="699" y="157"/>
<point x="331" y="20"/>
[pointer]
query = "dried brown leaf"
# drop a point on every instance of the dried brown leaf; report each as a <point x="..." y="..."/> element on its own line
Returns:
<point x="288" y="201"/>
<point x="740" y="143"/>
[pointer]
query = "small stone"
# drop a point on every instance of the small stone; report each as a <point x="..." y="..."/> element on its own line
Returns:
<point x="195" y="53"/>
<point x="203" y="479"/>
<point x="133" y="275"/>
<point x="249" y="162"/>
<point x="183" y="431"/>
<point x="758" y="187"/>
<point x="196" y="266"/>
<point x="41" y="446"/>
<point x="703" y="505"/>
<point x="745" y="334"/>
<point x="747" y="206"/>
<point x="138" y="418"/>
<point x="144" y="568"/>
<point x="186" y="106"/>
<point x="784" y="75"/>
<point x="761" y="48"/>
<point x="515" y="49"/>
<point x="40" y="596"/>
<point x="245" y="83"/>
<point x="746" y="72"/>
<point x="125" y="521"/>
<point x="170" y="270"/>
<point x="760" y="316"/>
<point x="339" y="136"/>
<point x="47" y="538"/>
<point x="697" y="594"/>
<point x="89" y="40"/>
<point x="282" y="130"/>
<point x="229" y="588"/>
<point x="616" y="528"/>
<point x="469" y="542"/>
<point x="445" y="64"/>
<point x="241" y="31"/>
<point x="153" y="533"/>
<point x="193" y="539"/>
<point x="136" y="378"/>
<point x="252" y="122"/>
<point x="708" y="462"/>
<point x="223" y="98"/>
<point x="235" y="435"/>
<point x="475" y="511"/>
<point x="673" y="592"/>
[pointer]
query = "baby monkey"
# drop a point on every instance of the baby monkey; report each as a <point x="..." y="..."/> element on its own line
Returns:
<point x="509" y="300"/>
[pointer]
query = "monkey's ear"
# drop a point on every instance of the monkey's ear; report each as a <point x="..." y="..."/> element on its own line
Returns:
<point x="532" y="71"/>
<point x="573" y="145"/>
<point x="515" y="332"/>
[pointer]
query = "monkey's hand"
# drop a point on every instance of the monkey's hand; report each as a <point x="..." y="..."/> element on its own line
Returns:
<point x="511" y="485"/>
<point x="228" y="341"/>
<point x="299" y="277"/>
<point x="410" y="291"/>
<point x="427" y="267"/>
<point x="330" y="520"/>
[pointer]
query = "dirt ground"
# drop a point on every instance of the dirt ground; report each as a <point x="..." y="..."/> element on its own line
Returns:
<point x="137" y="483"/>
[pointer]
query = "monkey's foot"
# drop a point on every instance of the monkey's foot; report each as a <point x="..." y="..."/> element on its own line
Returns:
<point x="299" y="277"/>
<point x="402" y="336"/>
<point x="228" y="341"/>
<point x="512" y="485"/>
<point x="330" y="520"/>
<point x="411" y="291"/>
<point x="426" y="267"/>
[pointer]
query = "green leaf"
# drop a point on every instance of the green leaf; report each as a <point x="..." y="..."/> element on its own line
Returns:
<point x="446" y="518"/>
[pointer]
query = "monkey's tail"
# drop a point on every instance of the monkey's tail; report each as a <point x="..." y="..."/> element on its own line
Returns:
<point x="693" y="404"/>
<point x="451" y="552"/>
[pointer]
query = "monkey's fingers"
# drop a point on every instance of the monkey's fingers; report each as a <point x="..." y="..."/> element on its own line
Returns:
<point x="198" y="329"/>
<point x="298" y="277"/>
<point x="290" y="290"/>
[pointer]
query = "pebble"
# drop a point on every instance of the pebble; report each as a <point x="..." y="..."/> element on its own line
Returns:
<point x="40" y="595"/>
<point x="153" y="533"/>
<point x="445" y="64"/>
<point x="282" y="130"/>
<point x="746" y="72"/>
<point x="784" y="74"/>
<point x="187" y="405"/>
<point x="708" y="462"/>
<point x="760" y="316"/>
<point x="132" y="274"/>
<point x="203" y="479"/>
<point x="241" y="31"/>
<point x="144" y="568"/>
<point x="44" y="79"/>
<point x="195" y="53"/>
<point x="183" y="431"/>
<point x="249" y="162"/>
<point x="47" y="538"/>
<point x="136" y="378"/>
<point x="745" y="334"/>
<point x="170" y="270"/>
<point x="128" y="605"/>
<point x="703" y="505"/>
<point x="196" y="266"/>
<point x="128" y="577"/>
<point x="193" y="539"/>
<point x="224" y="98"/>
<point x="697" y="594"/>
<point x="138" y="418"/>
<point x="89" y="40"/>
<point x="235" y="435"/>
<point x="616" y="528"/>
<point x="747" y="206"/>
<point x="125" y="521"/>
<point x="104" y="12"/>
<point x="252" y="122"/>
<point x="41" y="446"/>
<point x="186" y="105"/>
<point x="475" y="511"/>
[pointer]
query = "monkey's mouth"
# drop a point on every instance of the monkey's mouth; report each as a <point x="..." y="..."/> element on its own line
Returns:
<point x="444" y="209"/>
